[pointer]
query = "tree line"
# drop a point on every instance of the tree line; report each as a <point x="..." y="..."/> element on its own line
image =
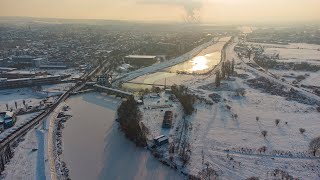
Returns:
<point x="187" y="100"/>
<point x="227" y="69"/>
<point x="129" y="117"/>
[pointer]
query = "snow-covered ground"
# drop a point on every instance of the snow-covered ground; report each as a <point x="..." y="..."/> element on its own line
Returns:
<point x="18" y="95"/>
<point x="30" y="158"/>
<point x="31" y="97"/>
<point x="73" y="72"/>
<point x="153" y="112"/>
<point x="23" y="163"/>
<point x="227" y="135"/>
<point x="215" y="130"/>
<point x="295" y="52"/>
<point x="312" y="80"/>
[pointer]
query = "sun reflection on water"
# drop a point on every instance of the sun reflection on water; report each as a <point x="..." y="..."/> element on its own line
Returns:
<point x="199" y="63"/>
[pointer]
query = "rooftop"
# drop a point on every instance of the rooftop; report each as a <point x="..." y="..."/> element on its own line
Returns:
<point x="5" y="115"/>
<point x="141" y="56"/>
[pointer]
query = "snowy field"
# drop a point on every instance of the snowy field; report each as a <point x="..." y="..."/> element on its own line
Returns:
<point x="153" y="111"/>
<point x="23" y="163"/>
<point x="30" y="158"/>
<point x="295" y="52"/>
<point x="30" y="96"/>
<point x="215" y="130"/>
<point x="313" y="80"/>
<point x="227" y="136"/>
<point x="11" y="95"/>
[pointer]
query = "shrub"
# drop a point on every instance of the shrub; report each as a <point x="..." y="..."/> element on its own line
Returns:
<point x="262" y="149"/>
<point x="235" y="116"/>
<point x="240" y="92"/>
<point x="277" y="121"/>
<point x="264" y="133"/>
<point x="314" y="145"/>
<point x="257" y="118"/>
<point x="252" y="178"/>
<point x="302" y="130"/>
<point x="280" y="174"/>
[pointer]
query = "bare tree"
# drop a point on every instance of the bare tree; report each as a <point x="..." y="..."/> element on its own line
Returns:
<point x="262" y="149"/>
<point x="249" y="53"/>
<point x="264" y="133"/>
<point x="7" y="107"/>
<point x="218" y="79"/>
<point x="302" y="130"/>
<point x="15" y="103"/>
<point x="235" y="116"/>
<point x="277" y="121"/>
<point x="314" y="145"/>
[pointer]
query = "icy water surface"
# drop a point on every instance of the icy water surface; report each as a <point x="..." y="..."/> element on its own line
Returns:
<point x="95" y="149"/>
<point x="204" y="62"/>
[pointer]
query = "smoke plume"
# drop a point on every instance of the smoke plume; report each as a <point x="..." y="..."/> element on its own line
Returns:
<point x="191" y="7"/>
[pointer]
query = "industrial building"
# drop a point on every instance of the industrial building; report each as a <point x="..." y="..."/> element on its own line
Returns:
<point x="23" y="59"/>
<point x="21" y="74"/>
<point x="38" y="62"/>
<point x="28" y="82"/>
<point x="140" y="60"/>
<point x="47" y="66"/>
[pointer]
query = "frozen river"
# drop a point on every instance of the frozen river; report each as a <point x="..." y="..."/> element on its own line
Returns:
<point x="205" y="61"/>
<point x="93" y="147"/>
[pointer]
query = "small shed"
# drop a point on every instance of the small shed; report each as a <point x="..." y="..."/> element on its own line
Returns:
<point x="161" y="140"/>
<point x="140" y="102"/>
<point x="167" y="119"/>
<point x="7" y="119"/>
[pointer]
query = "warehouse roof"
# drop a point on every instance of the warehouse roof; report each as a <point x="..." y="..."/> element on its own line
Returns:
<point x="141" y="56"/>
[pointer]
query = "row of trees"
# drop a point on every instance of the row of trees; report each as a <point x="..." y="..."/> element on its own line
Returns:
<point x="227" y="69"/>
<point x="129" y="117"/>
<point x="187" y="100"/>
<point x="16" y="104"/>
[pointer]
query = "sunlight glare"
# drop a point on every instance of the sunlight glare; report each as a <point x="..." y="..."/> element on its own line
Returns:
<point x="199" y="63"/>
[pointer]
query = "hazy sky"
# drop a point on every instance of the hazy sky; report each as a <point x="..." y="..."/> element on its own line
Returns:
<point x="167" y="10"/>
